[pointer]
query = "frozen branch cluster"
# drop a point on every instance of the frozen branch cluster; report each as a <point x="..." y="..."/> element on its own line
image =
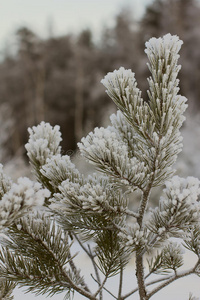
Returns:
<point x="110" y="154"/>
<point x="17" y="198"/>
<point x="136" y="152"/>
<point x="178" y="210"/>
<point x="43" y="143"/>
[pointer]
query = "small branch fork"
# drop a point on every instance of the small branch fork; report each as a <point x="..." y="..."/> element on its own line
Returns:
<point x="97" y="280"/>
<point x="167" y="280"/>
<point x="105" y="289"/>
<point x="172" y="278"/>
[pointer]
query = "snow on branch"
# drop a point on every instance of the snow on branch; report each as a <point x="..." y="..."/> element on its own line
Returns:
<point x="58" y="169"/>
<point x="178" y="209"/>
<point x="43" y="143"/>
<point x="21" y="196"/>
<point x="109" y="154"/>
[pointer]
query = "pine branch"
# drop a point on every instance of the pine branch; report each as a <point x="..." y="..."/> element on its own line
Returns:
<point x="111" y="253"/>
<point x="6" y="289"/>
<point x="92" y="256"/>
<point x="76" y="272"/>
<point x="101" y="285"/>
<point x="131" y="213"/>
<point x="168" y="279"/>
<point x="139" y="256"/>
<point x="172" y="279"/>
<point x="42" y="252"/>
<point x="105" y="288"/>
<point x="120" y="283"/>
<point x="147" y="284"/>
<point x="140" y="276"/>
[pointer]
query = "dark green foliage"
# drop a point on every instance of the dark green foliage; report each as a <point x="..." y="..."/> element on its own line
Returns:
<point x="192" y="239"/>
<point x="170" y="258"/>
<point x="6" y="289"/>
<point x="36" y="255"/>
<point x="155" y="263"/>
<point x="111" y="252"/>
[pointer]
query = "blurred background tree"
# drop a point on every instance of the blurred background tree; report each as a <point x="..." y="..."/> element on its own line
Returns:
<point x="57" y="79"/>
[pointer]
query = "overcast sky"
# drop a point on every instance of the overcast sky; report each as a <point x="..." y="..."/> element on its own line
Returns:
<point x="65" y="15"/>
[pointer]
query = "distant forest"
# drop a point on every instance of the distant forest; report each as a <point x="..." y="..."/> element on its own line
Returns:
<point x="58" y="79"/>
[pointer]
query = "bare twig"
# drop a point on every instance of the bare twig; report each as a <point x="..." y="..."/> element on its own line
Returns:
<point x="101" y="286"/>
<point x="81" y="244"/>
<point x="91" y="256"/>
<point x="129" y="294"/>
<point x="105" y="288"/>
<point x="74" y="268"/>
<point x="96" y="272"/>
<point x="147" y="284"/>
<point x="76" y="272"/>
<point x="77" y="288"/>
<point x="139" y="256"/>
<point x="171" y="279"/>
<point x="120" y="283"/>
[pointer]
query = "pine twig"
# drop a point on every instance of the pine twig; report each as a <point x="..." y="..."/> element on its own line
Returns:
<point x="129" y="294"/>
<point x="82" y="291"/>
<point x="120" y="283"/>
<point x="105" y="288"/>
<point x="78" y="289"/>
<point x="147" y="284"/>
<point x="96" y="272"/>
<point x="171" y="279"/>
<point x="76" y="272"/>
<point x="101" y="286"/>
<point x="91" y="256"/>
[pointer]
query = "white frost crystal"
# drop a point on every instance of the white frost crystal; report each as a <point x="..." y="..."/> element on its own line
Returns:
<point x="122" y="88"/>
<point x="21" y="196"/>
<point x="119" y="82"/>
<point x="110" y="154"/>
<point x="168" y="45"/>
<point x="44" y="141"/>
<point x="59" y="168"/>
<point x="145" y="136"/>
<point x="178" y="208"/>
<point x="183" y="189"/>
<point x="134" y="237"/>
<point x="96" y="195"/>
<point x="5" y="182"/>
